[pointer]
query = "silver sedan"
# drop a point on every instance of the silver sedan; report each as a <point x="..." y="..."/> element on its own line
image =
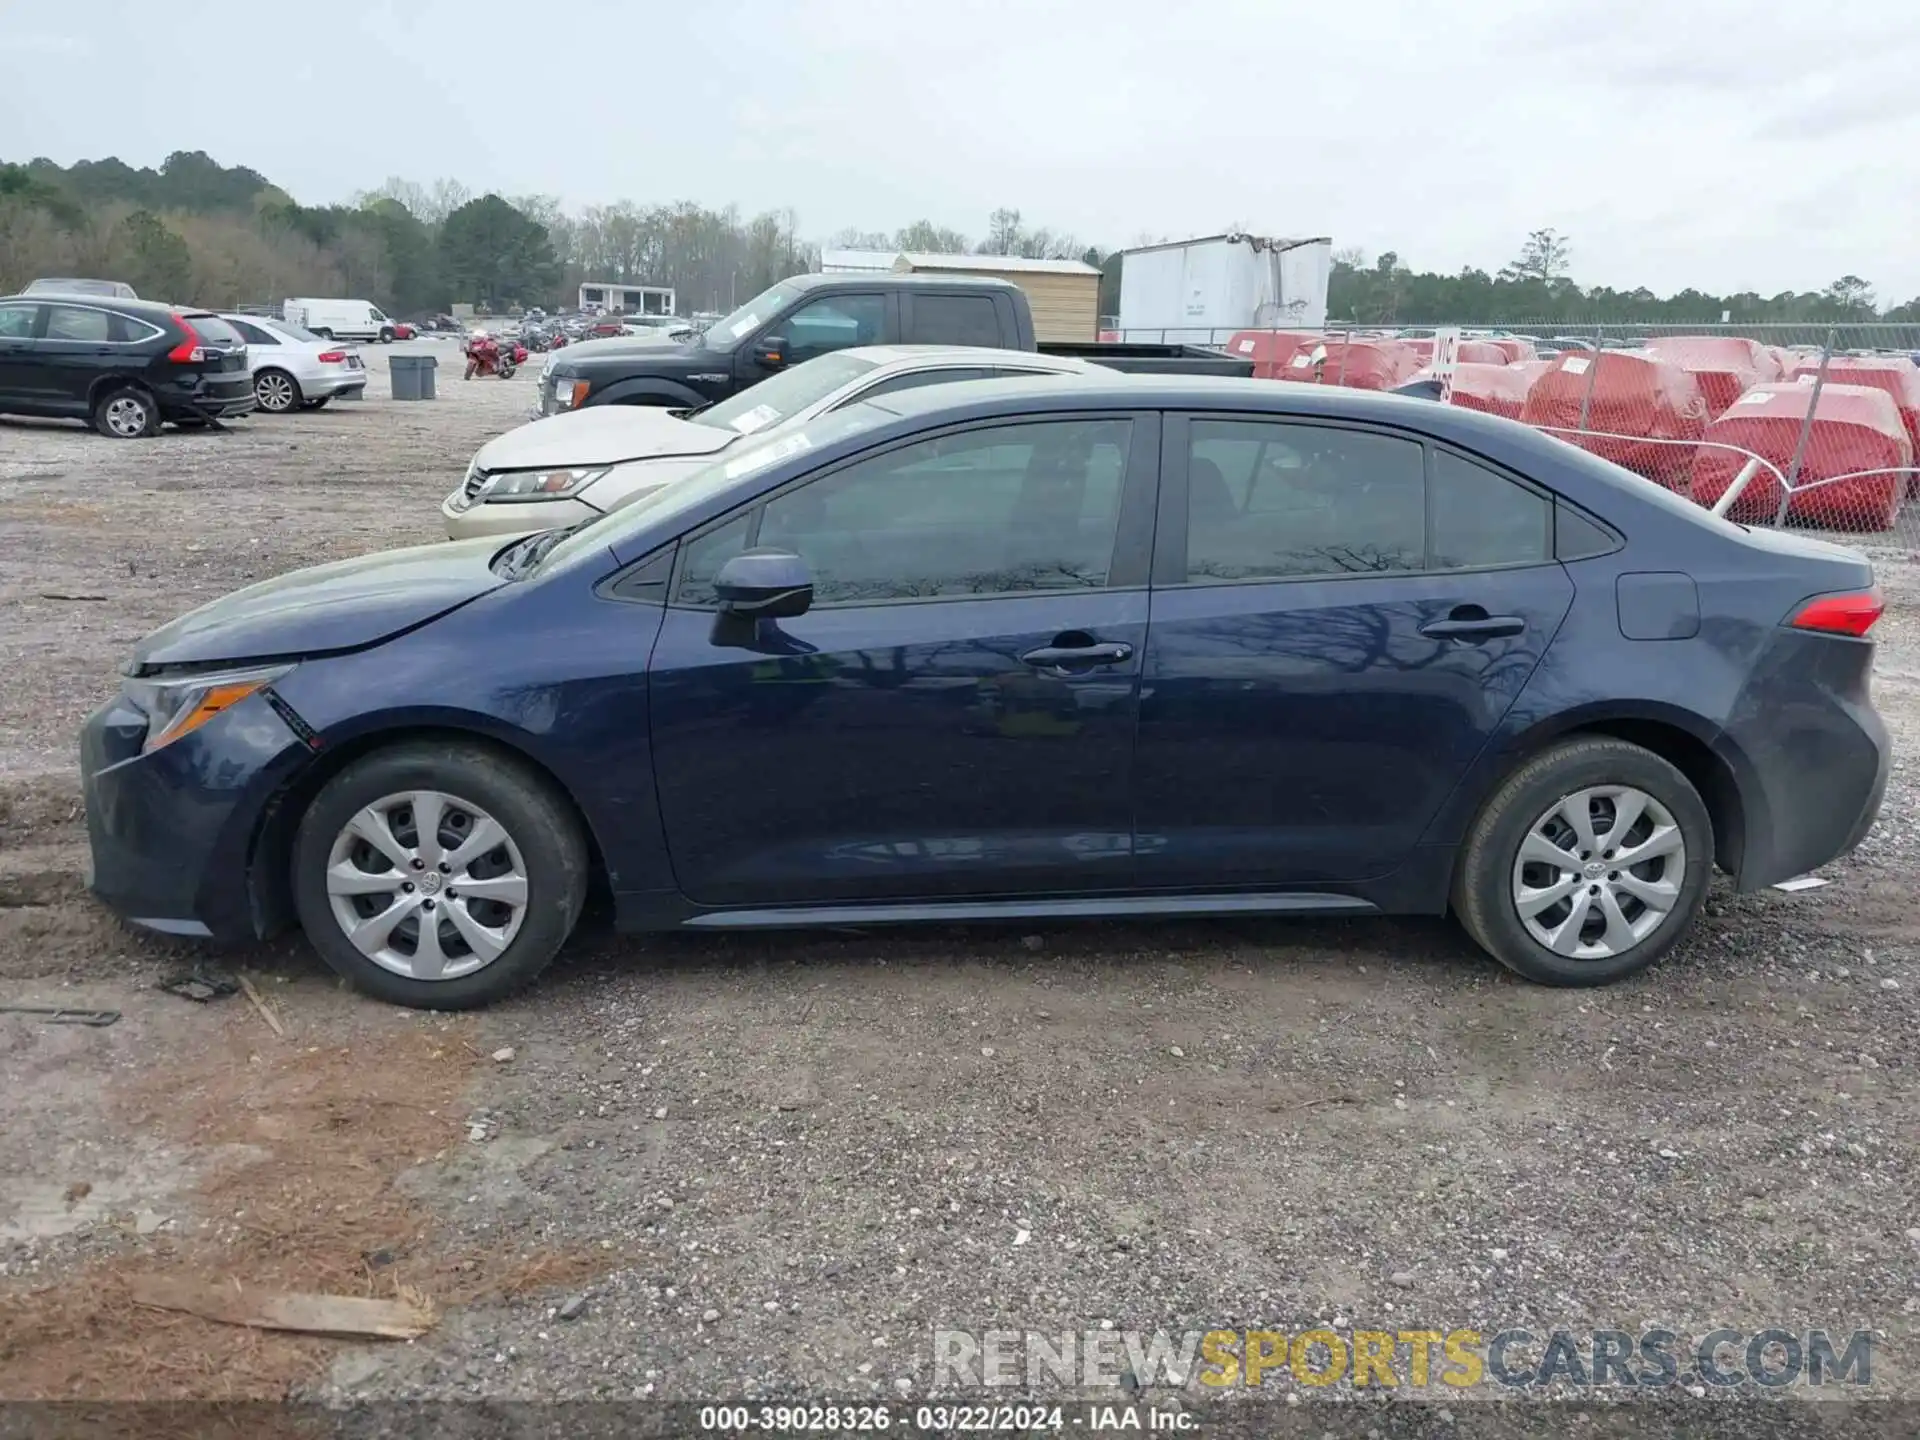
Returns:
<point x="294" y="369"/>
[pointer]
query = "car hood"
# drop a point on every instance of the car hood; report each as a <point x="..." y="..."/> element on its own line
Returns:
<point x="342" y="606"/>
<point x="671" y="356"/>
<point x="599" y="435"/>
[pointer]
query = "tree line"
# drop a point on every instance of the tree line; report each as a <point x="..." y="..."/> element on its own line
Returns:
<point x="195" y="231"/>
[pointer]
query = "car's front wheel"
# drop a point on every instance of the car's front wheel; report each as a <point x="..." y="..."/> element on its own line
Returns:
<point x="439" y="876"/>
<point x="1589" y="863"/>
<point x="276" y="392"/>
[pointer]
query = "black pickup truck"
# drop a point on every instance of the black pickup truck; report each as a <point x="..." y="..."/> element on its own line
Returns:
<point x="810" y="315"/>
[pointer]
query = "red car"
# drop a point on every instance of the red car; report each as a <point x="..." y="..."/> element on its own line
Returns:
<point x="403" y="331"/>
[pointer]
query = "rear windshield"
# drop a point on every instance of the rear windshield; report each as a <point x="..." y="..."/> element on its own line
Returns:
<point x="294" y="332"/>
<point x="214" y="330"/>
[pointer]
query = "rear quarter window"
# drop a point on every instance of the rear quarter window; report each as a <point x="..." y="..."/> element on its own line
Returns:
<point x="214" y="330"/>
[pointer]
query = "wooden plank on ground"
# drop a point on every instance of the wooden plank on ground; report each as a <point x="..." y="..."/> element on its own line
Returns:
<point x="231" y="1303"/>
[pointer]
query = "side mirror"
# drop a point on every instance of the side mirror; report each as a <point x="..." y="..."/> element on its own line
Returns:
<point x="764" y="584"/>
<point x="771" y="351"/>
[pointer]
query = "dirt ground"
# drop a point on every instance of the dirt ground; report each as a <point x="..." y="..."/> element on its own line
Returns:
<point x="718" y="1168"/>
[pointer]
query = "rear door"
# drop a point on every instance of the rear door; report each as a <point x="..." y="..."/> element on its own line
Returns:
<point x="79" y="344"/>
<point x="930" y="318"/>
<point x="19" y="319"/>
<point x="1341" y="617"/>
<point x="954" y="717"/>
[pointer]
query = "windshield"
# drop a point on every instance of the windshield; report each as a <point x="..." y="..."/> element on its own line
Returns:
<point x="730" y="330"/>
<point x="785" y="395"/>
<point x="732" y="465"/>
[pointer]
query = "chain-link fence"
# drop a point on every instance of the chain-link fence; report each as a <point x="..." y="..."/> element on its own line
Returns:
<point x="1808" y="426"/>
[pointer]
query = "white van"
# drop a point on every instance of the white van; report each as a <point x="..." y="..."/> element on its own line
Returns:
<point x="339" y="319"/>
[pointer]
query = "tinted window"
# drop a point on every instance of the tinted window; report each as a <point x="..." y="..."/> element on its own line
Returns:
<point x="1480" y="518"/>
<point x="1575" y="537"/>
<point x="254" y="334"/>
<point x="214" y="331"/>
<point x="952" y="320"/>
<point x="70" y="322"/>
<point x="1010" y="509"/>
<point x="1269" y="499"/>
<point x="16" y="321"/>
<point x="834" y="324"/>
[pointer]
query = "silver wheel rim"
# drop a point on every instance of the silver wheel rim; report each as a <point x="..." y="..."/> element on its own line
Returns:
<point x="427" y="885"/>
<point x="126" y="417"/>
<point x="274" y="392"/>
<point x="1599" y="872"/>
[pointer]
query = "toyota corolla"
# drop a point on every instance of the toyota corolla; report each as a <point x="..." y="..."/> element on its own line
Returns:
<point x="1015" y="650"/>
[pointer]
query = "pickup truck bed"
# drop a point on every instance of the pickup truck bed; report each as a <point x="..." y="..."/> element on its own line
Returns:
<point x="1155" y="359"/>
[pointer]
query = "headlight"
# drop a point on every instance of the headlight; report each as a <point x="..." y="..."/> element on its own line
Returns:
<point x="538" y="484"/>
<point x="569" y="394"/>
<point x="177" y="705"/>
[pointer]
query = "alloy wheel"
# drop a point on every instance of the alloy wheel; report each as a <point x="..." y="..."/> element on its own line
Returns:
<point x="427" y="885"/>
<point x="1599" y="872"/>
<point x="127" y="417"/>
<point x="273" y="392"/>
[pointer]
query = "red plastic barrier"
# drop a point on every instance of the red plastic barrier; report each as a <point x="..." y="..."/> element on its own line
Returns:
<point x="1513" y="349"/>
<point x="1355" y="364"/>
<point x="1493" y="389"/>
<point x="1724" y="366"/>
<point x="1272" y="351"/>
<point x="1897" y="377"/>
<point x="1857" y="428"/>
<point x="1635" y="397"/>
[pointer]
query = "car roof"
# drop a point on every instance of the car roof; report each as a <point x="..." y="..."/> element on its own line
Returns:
<point x="149" y="309"/>
<point x="853" y="280"/>
<point x="971" y="355"/>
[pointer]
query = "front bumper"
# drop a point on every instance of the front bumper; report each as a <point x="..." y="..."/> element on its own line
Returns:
<point x="172" y="832"/>
<point x="467" y="522"/>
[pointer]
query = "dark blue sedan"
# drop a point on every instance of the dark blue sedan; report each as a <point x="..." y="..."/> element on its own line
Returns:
<point x="1028" y="649"/>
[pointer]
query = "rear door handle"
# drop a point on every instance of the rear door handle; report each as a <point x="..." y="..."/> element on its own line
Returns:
<point x="1064" y="659"/>
<point x="1474" y="628"/>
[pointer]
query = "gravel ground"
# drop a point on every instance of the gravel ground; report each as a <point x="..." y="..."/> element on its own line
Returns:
<point x="771" y="1166"/>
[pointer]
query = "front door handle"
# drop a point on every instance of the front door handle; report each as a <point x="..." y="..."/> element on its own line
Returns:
<point x="1065" y="659"/>
<point x="1472" y="624"/>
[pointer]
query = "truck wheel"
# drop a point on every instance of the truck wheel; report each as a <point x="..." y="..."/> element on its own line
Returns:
<point x="323" y="332"/>
<point x="1589" y="863"/>
<point x="386" y="337"/>
<point x="126" y="413"/>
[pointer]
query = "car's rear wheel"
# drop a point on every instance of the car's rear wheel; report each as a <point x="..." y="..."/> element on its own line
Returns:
<point x="126" y="413"/>
<point x="276" y="392"/>
<point x="439" y="876"/>
<point x="1588" y="864"/>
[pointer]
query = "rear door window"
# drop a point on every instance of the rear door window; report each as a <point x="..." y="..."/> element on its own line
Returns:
<point x="1480" y="519"/>
<point x="952" y="320"/>
<point x="76" y="323"/>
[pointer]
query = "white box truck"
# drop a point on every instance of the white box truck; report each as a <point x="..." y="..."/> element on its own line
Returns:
<point x="1201" y="291"/>
<point x="339" y="319"/>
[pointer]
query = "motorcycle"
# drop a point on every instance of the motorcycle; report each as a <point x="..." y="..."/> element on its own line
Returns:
<point x="488" y="356"/>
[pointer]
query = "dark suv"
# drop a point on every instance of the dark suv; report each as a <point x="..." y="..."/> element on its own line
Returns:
<point x="122" y="365"/>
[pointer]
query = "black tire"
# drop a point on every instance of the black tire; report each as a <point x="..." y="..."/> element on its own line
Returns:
<point x="319" y="402"/>
<point x="507" y="367"/>
<point x="386" y="337"/>
<point x="543" y="827"/>
<point x="1484" y="879"/>
<point x="277" y="392"/>
<point x="324" y="333"/>
<point x="126" y="412"/>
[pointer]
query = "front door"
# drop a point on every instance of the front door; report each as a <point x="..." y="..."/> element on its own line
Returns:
<point x="1346" y="616"/>
<point x="954" y="717"/>
<point x="816" y="328"/>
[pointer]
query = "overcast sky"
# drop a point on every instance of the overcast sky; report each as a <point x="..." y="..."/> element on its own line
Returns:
<point x="1727" y="144"/>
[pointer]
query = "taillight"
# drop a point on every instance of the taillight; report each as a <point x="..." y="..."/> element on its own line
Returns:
<point x="189" y="351"/>
<point x="1851" y="614"/>
<point x="332" y="357"/>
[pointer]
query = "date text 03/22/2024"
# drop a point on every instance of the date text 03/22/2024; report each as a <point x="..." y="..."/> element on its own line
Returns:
<point x="945" y="1419"/>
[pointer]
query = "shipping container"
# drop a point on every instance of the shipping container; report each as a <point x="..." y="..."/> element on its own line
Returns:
<point x="1201" y="290"/>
